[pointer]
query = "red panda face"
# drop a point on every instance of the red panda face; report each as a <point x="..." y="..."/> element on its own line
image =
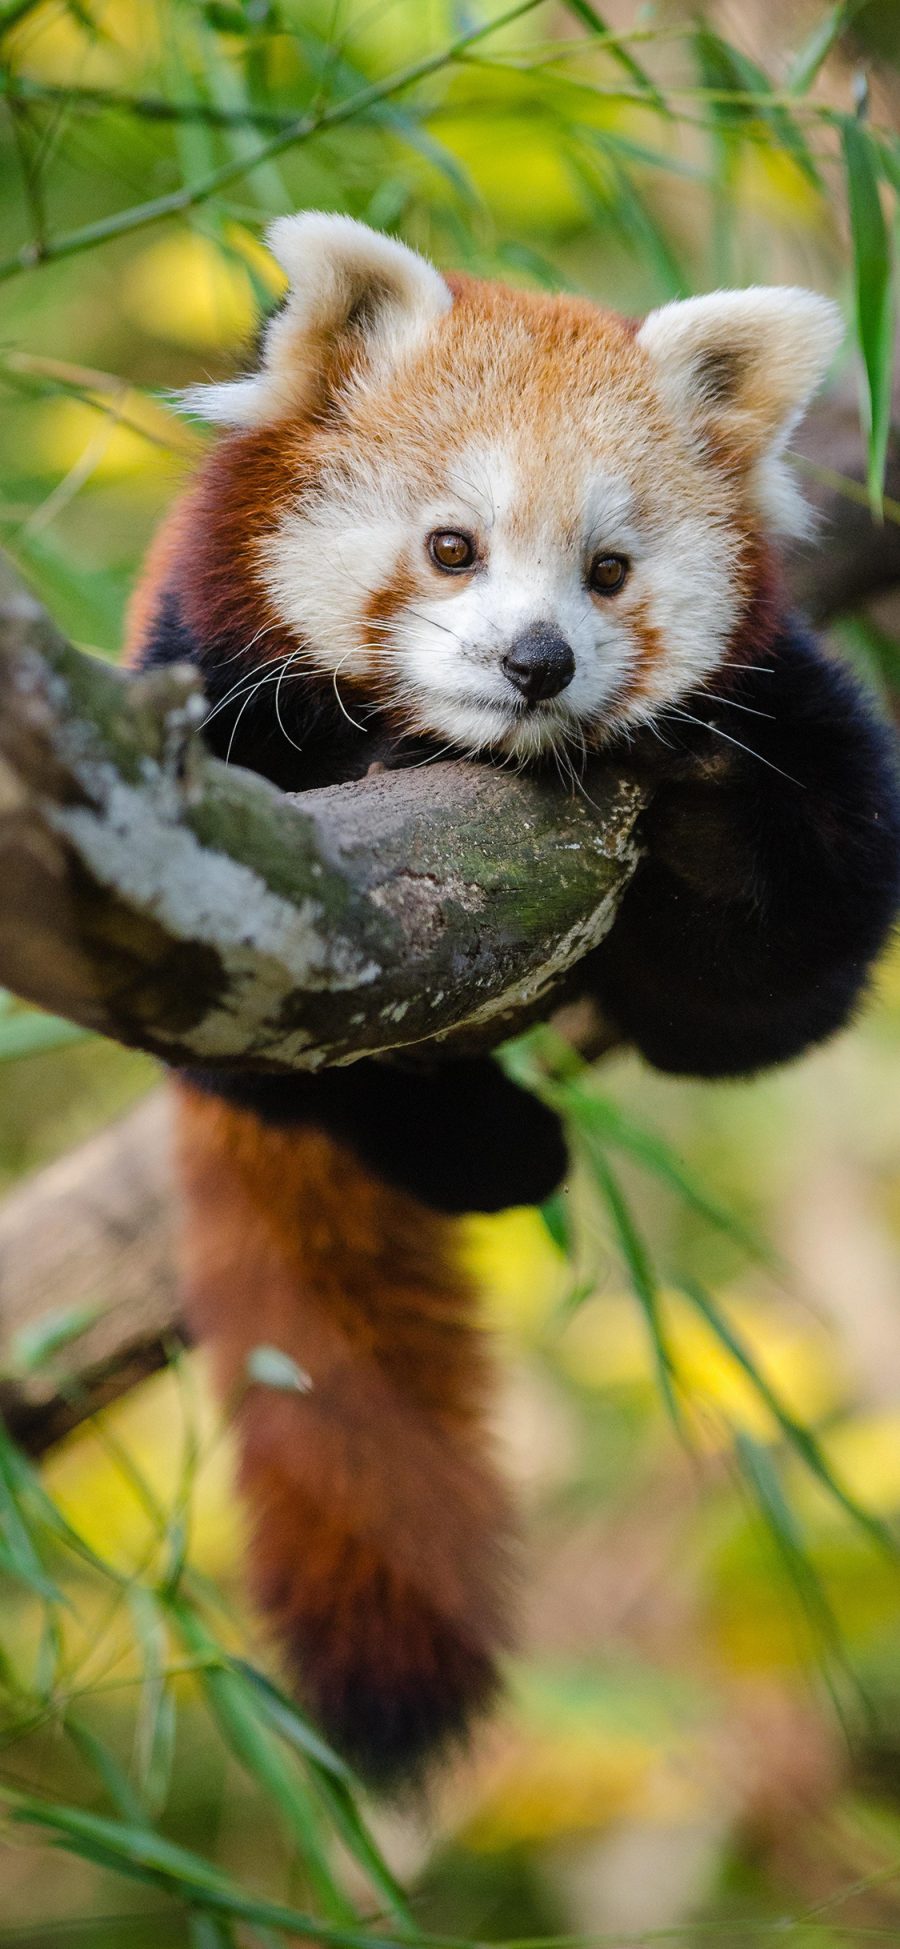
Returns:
<point x="516" y="520"/>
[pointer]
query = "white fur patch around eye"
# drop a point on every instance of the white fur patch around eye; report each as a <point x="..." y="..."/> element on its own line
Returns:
<point x="325" y="561"/>
<point x="484" y="479"/>
<point x="608" y="514"/>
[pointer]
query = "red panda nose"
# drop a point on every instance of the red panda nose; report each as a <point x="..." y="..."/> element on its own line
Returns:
<point x="539" y="662"/>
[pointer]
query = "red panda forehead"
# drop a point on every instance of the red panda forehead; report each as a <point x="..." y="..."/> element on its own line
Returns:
<point x="549" y="380"/>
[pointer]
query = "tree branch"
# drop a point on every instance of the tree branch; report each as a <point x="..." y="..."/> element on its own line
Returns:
<point x="95" y="1231"/>
<point x="151" y="893"/>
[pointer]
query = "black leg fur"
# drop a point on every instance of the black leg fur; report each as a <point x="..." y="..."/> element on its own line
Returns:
<point x="773" y="872"/>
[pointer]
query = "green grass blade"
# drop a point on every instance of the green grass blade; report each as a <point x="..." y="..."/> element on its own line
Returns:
<point x="148" y="1857"/>
<point x="154" y="1733"/>
<point x="656" y="1155"/>
<point x="234" y="1705"/>
<point x="556" y="1220"/>
<point x="873" y="292"/>
<point x="26" y="1486"/>
<point x="212" y="1932"/>
<point x="810" y="58"/>
<point x="583" y="11"/>
<point x="761" y="1477"/>
<point x="31" y="1033"/>
<point x="21" y="1557"/>
<point x="34" y="1345"/>
<point x="639" y="1267"/>
<point x="727" y="70"/>
<point x="333" y="1780"/>
<point x="103" y="1762"/>
<point x="801" y="1439"/>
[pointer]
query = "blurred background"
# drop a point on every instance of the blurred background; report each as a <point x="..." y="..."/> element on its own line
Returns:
<point x="701" y="1339"/>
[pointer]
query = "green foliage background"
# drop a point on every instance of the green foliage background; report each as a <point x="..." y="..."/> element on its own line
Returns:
<point x="702" y="1740"/>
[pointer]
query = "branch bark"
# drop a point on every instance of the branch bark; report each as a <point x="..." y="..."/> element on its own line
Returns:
<point x="191" y="910"/>
<point x="94" y="1230"/>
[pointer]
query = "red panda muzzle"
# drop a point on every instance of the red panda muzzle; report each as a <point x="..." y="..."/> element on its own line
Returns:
<point x="380" y="1534"/>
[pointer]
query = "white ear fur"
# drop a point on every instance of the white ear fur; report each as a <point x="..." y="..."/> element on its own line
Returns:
<point x="740" y="367"/>
<point x="343" y="277"/>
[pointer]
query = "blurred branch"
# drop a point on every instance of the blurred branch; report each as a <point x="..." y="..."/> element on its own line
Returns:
<point x="190" y="195"/>
<point x="93" y="1231"/>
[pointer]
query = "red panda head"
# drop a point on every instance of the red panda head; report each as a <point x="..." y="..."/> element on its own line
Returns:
<point x="514" y="519"/>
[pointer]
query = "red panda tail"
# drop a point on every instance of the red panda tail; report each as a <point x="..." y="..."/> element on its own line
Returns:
<point x="379" y="1529"/>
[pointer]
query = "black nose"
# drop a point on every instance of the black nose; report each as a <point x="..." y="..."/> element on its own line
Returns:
<point x="540" y="662"/>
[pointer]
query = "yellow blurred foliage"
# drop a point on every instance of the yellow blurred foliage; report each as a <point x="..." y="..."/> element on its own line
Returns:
<point x="71" y="433"/>
<point x="521" y="1273"/>
<point x="93" y="1475"/>
<point x="184" y="288"/>
<point x="864" y="1454"/>
<point x="53" y="45"/>
<point x="608" y="1345"/>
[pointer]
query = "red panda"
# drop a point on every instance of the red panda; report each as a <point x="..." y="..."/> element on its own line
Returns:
<point x="447" y="516"/>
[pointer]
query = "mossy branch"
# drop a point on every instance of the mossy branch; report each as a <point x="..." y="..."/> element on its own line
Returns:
<point x="189" y="909"/>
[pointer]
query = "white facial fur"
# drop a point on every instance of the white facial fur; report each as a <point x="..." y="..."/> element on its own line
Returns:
<point x="549" y="433"/>
<point x="440" y="655"/>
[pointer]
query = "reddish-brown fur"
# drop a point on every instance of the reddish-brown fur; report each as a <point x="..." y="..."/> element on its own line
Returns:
<point x="380" y="1530"/>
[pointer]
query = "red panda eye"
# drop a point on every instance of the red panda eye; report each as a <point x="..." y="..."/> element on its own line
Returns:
<point x="608" y="572"/>
<point x="450" y="550"/>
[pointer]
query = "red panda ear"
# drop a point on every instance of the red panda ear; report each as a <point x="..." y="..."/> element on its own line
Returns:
<point x="350" y="290"/>
<point x="740" y="368"/>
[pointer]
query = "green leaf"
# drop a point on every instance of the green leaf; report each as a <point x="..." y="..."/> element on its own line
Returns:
<point x="212" y="1932"/>
<point x="801" y="1438"/>
<point x="19" y="1554"/>
<point x="33" y="1345"/>
<point x="290" y="1722"/>
<point x="626" y="208"/>
<point x="333" y="1779"/>
<point x="728" y="71"/>
<point x="31" y="1033"/>
<point x="819" y="43"/>
<point x="235" y="1708"/>
<point x="554" y="1214"/>
<point x="761" y="1476"/>
<point x="154" y="1733"/>
<point x="639" y="1267"/>
<point x="269" y="1367"/>
<point x="589" y="17"/>
<point x="147" y="1857"/>
<point x="873" y="293"/>
<point x="611" y="1124"/>
<point x="102" y="1761"/>
<point x="27" y="1488"/>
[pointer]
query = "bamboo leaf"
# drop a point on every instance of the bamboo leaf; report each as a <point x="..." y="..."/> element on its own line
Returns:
<point x="589" y="17"/>
<point x="103" y="1762"/>
<point x="818" y="45"/>
<point x="873" y="294"/>
<point x="640" y="1271"/>
<point x="234" y="1707"/>
<point x="269" y="1367"/>
<point x="761" y="1476"/>
<point x="31" y="1033"/>
<point x="154" y="1735"/>
<point x="801" y="1438"/>
<point x="333" y="1779"/>
<point x="33" y="1345"/>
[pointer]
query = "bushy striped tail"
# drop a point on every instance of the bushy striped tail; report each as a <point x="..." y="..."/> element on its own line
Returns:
<point x="380" y="1531"/>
